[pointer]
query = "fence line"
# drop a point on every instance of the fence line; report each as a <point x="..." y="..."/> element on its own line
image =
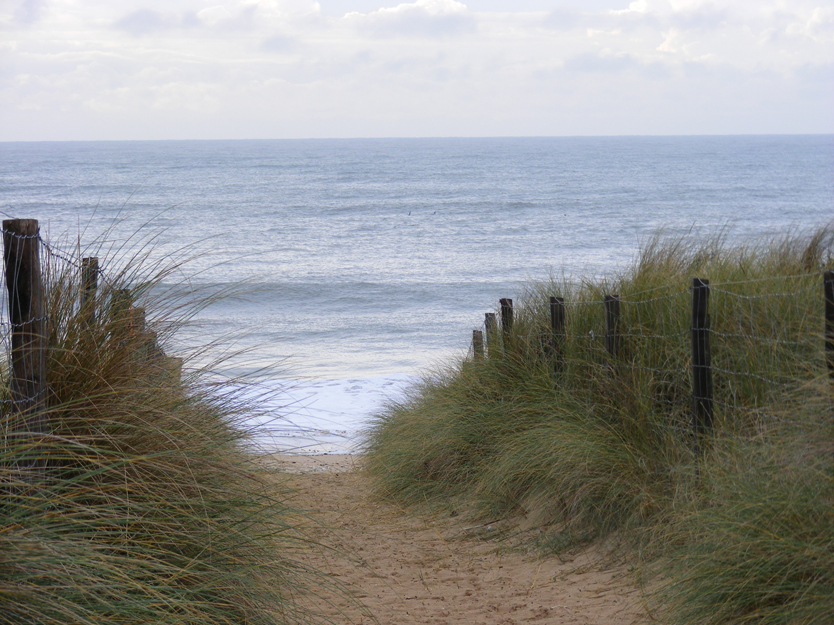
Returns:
<point x="754" y="344"/>
<point x="35" y="271"/>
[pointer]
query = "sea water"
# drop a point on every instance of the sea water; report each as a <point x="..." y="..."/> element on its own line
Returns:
<point x="367" y="262"/>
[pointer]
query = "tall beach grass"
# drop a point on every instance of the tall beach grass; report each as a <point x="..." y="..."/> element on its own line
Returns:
<point x="588" y="446"/>
<point x="149" y="508"/>
<point x="756" y="543"/>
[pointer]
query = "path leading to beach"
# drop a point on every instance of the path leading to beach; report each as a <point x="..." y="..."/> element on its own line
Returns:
<point x="410" y="570"/>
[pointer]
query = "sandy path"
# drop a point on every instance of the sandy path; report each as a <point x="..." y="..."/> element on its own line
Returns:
<point x="408" y="570"/>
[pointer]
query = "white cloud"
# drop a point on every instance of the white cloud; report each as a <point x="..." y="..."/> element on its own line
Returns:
<point x="145" y="21"/>
<point x="241" y="68"/>
<point x="428" y="18"/>
<point x="29" y="11"/>
<point x="563" y="19"/>
<point x="278" y="43"/>
<point x="708" y="17"/>
<point x="640" y="6"/>
<point x="684" y="5"/>
<point x="669" y="41"/>
<point x="212" y="16"/>
<point x="234" y="15"/>
<point x="431" y="7"/>
<point x="604" y="62"/>
<point x="284" y="8"/>
<point x="819" y="25"/>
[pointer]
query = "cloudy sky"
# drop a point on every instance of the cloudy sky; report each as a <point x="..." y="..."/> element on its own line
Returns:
<point x="229" y="69"/>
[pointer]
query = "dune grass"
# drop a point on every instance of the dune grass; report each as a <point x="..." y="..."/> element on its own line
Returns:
<point x="589" y="446"/>
<point x="756" y="545"/>
<point x="149" y="508"/>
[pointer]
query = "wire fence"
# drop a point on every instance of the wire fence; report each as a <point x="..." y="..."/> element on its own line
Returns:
<point x="53" y="265"/>
<point x="49" y="293"/>
<point x="759" y="338"/>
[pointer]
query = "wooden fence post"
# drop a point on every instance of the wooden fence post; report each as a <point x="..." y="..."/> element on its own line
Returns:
<point x="612" y="325"/>
<point x="89" y="284"/>
<point x="702" y="416"/>
<point x="557" y="330"/>
<point x="828" y="288"/>
<point x="506" y="320"/>
<point x="21" y="245"/>
<point x="478" y="344"/>
<point x="491" y="327"/>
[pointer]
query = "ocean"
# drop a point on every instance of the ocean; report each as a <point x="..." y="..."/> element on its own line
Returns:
<point x="367" y="262"/>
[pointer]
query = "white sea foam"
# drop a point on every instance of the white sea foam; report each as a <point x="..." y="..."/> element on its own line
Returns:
<point x="319" y="416"/>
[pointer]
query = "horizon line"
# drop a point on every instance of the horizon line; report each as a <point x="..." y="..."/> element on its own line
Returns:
<point x="418" y="138"/>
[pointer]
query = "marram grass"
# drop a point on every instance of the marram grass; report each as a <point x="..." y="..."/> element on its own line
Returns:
<point x="757" y="543"/>
<point x="149" y="508"/>
<point x="589" y="446"/>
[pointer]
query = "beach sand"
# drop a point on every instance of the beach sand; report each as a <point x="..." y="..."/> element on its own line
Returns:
<point x="406" y="569"/>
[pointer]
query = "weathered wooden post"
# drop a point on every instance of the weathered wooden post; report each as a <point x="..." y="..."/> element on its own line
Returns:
<point x="612" y="325"/>
<point x="478" y="344"/>
<point x="557" y="330"/>
<point x="491" y="327"/>
<point x="89" y="284"/>
<point x="21" y="245"/>
<point x="702" y="416"/>
<point x="828" y="287"/>
<point x="506" y="320"/>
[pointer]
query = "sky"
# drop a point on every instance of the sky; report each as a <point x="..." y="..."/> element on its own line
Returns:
<point x="269" y="69"/>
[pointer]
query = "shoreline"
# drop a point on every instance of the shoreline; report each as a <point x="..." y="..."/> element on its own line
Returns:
<point x="307" y="464"/>
<point x="318" y="416"/>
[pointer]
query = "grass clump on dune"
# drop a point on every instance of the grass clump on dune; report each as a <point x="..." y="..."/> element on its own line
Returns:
<point x="757" y="543"/>
<point x="149" y="508"/>
<point x="588" y="446"/>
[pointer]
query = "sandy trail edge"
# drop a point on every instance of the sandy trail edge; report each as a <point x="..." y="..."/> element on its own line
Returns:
<point x="408" y="570"/>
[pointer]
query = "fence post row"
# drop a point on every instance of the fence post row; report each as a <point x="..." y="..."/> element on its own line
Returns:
<point x="702" y="383"/>
<point x="702" y="414"/>
<point x="27" y="318"/>
<point x="21" y="248"/>
<point x="828" y="288"/>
